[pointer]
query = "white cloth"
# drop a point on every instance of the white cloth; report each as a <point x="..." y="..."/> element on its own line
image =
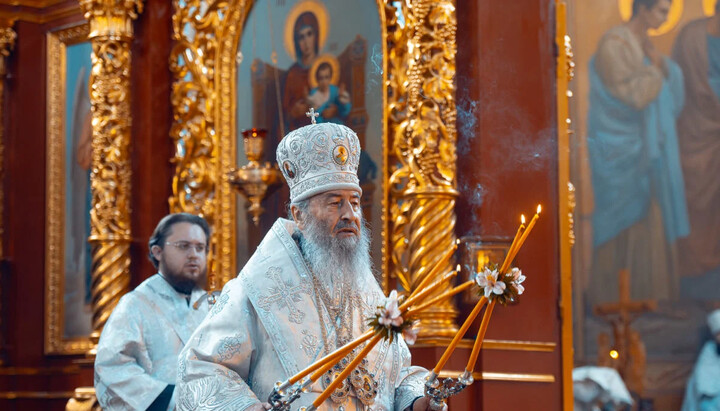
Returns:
<point x="139" y="345"/>
<point x="703" y="389"/>
<point x="598" y="385"/>
<point x="265" y="328"/>
<point x="713" y="321"/>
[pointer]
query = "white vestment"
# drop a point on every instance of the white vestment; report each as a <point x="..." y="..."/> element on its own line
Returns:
<point x="703" y="389"/>
<point x="139" y="346"/>
<point x="265" y="328"/>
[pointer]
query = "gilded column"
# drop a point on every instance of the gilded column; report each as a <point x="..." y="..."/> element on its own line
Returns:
<point x="422" y="126"/>
<point x="7" y="42"/>
<point x="111" y="33"/>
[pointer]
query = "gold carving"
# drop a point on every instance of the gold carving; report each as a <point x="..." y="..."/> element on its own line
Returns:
<point x="83" y="399"/>
<point x="488" y="344"/>
<point x="501" y="376"/>
<point x="39" y="15"/>
<point x="111" y="34"/>
<point x="422" y="126"/>
<point x="572" y="202"/>
<point x="57" y="43"/>
<point x="35" y="395"/>
<point x="203" y="62"/>
<point x="565" y="71"/>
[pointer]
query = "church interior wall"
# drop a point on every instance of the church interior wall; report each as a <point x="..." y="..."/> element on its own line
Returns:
<point x="507" y="164"/>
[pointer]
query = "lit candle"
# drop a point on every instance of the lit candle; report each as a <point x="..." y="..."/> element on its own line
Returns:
<point x="340" y="378"/>
<point x="434" y="271"/>
<point x="524" y="236"/>
<point x="331" y="358"/>
<point x="460" y="334"/>
<point x="424" y="293"/>
<point x="480" y="337"/>
<point x="460" y="288"/>
<point x="514" y="244"/>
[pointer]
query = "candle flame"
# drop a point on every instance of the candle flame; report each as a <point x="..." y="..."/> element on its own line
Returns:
<point x="457" y="268"/>
<point x="522" y="218"/>
<point x="538" y="209"/>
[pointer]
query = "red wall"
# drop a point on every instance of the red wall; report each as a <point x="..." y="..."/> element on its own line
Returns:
<point x="507" y="164"/>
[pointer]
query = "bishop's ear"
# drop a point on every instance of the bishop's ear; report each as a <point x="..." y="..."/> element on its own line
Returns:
<point x="298" y="216"/>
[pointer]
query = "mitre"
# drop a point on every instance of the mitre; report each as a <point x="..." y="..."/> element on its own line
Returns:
<point x="319" y="158"/>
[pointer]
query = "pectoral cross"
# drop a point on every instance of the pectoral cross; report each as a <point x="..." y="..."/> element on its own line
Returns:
<point x="312" y="114"/>
<point x="284" y="294"/>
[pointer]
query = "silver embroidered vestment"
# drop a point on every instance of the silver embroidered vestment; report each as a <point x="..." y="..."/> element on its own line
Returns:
<point x="265" y="327"/>
<point x="139" y="346"/>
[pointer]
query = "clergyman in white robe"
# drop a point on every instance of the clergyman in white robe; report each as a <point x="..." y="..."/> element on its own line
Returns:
<point x="139" y="346"/>
<point x="265" y="328"/>
<point x="703" y="388"/>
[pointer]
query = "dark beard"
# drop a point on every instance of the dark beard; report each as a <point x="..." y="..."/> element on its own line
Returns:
<point x="331" y="258"/>
<point x="181" y="284"/>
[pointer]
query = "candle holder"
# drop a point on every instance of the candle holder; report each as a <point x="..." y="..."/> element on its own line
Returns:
<point x="439" y="391"/>
<point x="284" y="394"/>
<point x="257" y="179"/>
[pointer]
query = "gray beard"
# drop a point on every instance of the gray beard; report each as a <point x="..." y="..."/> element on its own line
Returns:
<point x="334" y="260"/>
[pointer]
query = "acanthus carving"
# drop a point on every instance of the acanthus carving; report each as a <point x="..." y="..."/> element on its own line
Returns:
<point x="197" y="185"/>
<point x="111" y="35"/>
<point x="422" y="111"/>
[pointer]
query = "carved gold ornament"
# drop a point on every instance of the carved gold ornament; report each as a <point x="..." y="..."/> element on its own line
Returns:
<point x="421" y="122"/>
<point x="111" y="35"/>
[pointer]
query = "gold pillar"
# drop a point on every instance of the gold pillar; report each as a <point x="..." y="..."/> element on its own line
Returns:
<point x="422" y="126"/>
<point x="111" y="33"/>
<point x="566" y="192"/>
<point x="7" y="42"/>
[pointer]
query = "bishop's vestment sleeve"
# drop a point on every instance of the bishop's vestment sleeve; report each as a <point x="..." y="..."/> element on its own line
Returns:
<point x="216" y="362"/>
<point x="411" y="382"/>
<point x="122" y="363"/>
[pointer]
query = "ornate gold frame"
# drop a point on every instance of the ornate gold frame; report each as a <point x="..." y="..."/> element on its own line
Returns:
<point x="57" y="42"/>
<point x="418" y="120"/>
<point x="566" y="193"/>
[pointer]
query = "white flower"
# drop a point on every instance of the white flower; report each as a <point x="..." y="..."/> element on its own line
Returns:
<point x="410" y="335"/>
<point x="488" y="280"/>
<point x="391" y="315"/>
<point x="518" y="278"/>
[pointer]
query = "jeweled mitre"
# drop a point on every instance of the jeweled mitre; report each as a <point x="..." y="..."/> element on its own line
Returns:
<point x="318" y="158"/>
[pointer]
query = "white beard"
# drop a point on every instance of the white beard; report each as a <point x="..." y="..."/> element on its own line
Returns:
<point x="336" y="261"/>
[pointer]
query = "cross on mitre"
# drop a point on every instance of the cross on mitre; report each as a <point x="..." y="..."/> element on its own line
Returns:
<point x="312" y="114"/>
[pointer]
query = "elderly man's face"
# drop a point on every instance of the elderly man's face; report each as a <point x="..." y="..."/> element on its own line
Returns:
<point x="338" y="211"/>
